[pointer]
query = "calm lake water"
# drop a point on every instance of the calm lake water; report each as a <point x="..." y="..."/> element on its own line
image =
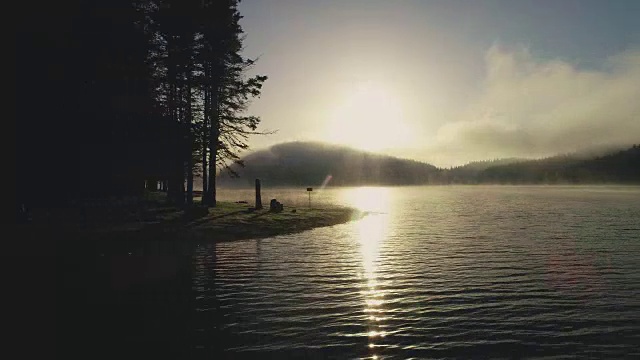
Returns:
<point x="434" y="272"/>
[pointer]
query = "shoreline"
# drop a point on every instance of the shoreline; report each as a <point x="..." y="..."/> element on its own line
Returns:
<point x="226" y="222"/>
<point x="286" y="223"/>
<point x="233" y="222"/>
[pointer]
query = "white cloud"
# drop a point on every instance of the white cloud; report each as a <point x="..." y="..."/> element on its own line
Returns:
<point x="530" y="108"/>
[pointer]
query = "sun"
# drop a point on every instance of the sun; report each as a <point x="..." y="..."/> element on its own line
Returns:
<point x="369" y="118"/>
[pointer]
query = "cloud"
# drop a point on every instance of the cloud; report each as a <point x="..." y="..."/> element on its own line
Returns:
<point x="529" y="107"/>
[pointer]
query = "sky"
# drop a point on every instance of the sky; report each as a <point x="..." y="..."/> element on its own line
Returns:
<point x="450" y="81"/>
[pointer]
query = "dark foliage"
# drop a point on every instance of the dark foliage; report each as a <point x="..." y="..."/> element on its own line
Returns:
<point x="113" y="93"/>
<point x="620" y="167"/>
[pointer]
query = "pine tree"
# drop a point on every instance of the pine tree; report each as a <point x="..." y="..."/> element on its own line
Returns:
<point x="228" y="92"/>
<point x="137" y="90"/>
<point x="175" y="30"/>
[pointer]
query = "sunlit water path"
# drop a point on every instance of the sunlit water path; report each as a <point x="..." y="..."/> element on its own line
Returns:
<point x="433" y="272"/>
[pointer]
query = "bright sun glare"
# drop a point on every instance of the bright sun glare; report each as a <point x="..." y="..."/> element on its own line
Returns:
<point x="369" y="118"/>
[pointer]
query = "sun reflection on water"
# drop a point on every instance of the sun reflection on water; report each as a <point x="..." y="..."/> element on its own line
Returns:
<point x="371" y="232"/>
<point x="376" y="199"/>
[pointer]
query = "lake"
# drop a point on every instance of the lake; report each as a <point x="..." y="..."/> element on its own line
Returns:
<point x="432" y="272"/>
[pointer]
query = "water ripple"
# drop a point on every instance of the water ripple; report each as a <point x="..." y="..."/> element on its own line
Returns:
<point x="442" y="272"/>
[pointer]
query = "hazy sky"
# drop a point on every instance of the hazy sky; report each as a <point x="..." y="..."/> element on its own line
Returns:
<point x="448" y="81"/>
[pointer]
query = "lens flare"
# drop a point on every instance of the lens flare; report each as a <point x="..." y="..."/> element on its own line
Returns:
<point x="326" y="181"/>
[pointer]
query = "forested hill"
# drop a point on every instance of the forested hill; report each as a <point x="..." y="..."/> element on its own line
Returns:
<point x="309" y="164"/>
<point x="468" y="173"/>
<point x="619" y="167"/>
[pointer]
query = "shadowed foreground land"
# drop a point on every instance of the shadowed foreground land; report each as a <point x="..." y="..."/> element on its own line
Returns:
<point x="226" y="222"/>
<point x="231" y="221"/>
<point x="123" y="279"/>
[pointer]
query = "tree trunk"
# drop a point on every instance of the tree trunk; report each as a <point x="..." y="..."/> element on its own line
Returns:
<point x="176" y="187"/>
<point x="190" y="184"/>
<point x="175" y="191"/>
<point x="152" y="184"/>
<point x="210" y="195"/>
<point x="189" y="145"/>
<point x="205" y="138"/>
<point x="205" y="178"/>
<point x="213" y="150"/>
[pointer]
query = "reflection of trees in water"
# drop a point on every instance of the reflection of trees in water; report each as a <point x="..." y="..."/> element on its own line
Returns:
<point x="208" y="337"/>
<point x="136" y="299"/>
<point x="214" y="312"/>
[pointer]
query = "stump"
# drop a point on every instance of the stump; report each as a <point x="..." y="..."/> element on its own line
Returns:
<point x="258" y="195"/>
<point x="275" y="206"/>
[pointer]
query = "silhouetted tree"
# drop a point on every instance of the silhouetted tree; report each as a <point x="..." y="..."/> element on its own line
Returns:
<point x="134" y="90"/>
<point x="87" y="135"/>
<point x="227" y="92"/>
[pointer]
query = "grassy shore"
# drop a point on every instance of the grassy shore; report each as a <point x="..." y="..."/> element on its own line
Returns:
<point x="230" y="221"/>
<point x="155" y="220"/>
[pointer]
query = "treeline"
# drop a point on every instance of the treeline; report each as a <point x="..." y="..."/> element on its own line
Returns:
<point x="618" y="167"/>
<point x="113" y="94"/>
<point x="468" y="173"/>
<point x="309" y="164"/>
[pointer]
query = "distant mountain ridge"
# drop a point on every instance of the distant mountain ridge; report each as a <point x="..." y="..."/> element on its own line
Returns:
<point x="312" y="163"/>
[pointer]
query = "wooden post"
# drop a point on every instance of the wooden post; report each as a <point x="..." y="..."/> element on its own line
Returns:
<point x="258" y="196"/>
